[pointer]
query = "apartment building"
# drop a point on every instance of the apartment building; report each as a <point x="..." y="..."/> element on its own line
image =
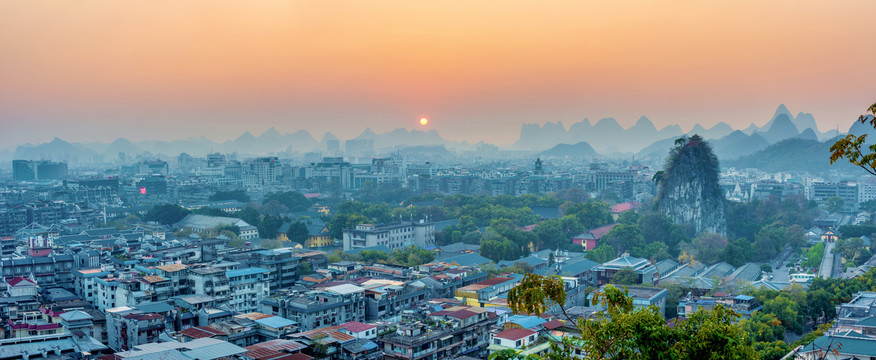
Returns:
<point x="393" y="236"/>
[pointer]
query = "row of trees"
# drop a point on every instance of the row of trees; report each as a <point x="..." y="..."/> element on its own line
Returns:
<point x="410" y="256"/>
<point x="767" y="226"/>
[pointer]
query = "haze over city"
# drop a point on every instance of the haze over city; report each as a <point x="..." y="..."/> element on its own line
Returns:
<point x="93" y="71"/>
<point x="453" y="180"/>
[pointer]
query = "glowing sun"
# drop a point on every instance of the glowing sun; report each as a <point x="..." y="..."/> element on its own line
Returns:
<point x="424" y="121"/>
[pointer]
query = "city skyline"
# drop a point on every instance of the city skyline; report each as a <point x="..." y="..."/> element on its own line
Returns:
<point x="93" y="72"/>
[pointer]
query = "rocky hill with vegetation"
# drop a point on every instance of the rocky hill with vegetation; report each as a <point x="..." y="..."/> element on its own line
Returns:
<point x="689" y="192"/>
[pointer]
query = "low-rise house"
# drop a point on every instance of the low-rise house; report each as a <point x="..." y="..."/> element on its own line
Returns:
<point x="590" y="239"/>
<point x="842" y="345"/>
<point x="200" y="223"/>
<point x="743" y="305"/>
<point x="644" y="269"/>
<point x="642" y="297"/>
<point x="360" y="330"/>
<point x="277" y="350"/>
<point x="481" y="293"/>
<point x="197" y="349"/>
<point x="523" y="342"/>
<point x="198" y="332"/>
<point x="52" y="346"/>
<point x="861" y="306"/>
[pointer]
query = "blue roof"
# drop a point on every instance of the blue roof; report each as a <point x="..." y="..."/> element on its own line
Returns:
<point x="275" y="322"/>
<point x="369" y="345"/>
<point x="526" y="322"/>
<point x="578" y="266"/>
<point x="467" y="260"/>
<point x="244" y="272"/>
<point x="154" y="307"/>
<point x="440" y="225"/>
<point x="744" y="297"/>
<point x="532" y="260"/>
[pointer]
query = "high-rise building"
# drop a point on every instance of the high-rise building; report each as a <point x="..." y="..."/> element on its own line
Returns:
<point x="27" y="170"/>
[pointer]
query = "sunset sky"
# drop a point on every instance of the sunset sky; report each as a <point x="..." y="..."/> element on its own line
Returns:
<point x="97" y="70"/>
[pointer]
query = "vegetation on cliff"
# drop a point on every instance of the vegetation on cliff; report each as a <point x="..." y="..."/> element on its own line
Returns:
<point x="688" y="189"/>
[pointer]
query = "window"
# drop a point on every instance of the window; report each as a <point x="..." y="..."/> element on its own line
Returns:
<point x="517" y="343"/>
<point x="496" y="341"/>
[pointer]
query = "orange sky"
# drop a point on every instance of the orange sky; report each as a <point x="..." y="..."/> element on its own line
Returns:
<point x="96" y="70"/>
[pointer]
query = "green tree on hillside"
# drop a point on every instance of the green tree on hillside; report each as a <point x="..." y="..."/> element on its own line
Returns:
<point x="854" y="149"/>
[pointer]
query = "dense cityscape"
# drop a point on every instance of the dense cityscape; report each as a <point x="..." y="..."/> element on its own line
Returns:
<point x="375" y="252"/>
<point x="437" y="180"/>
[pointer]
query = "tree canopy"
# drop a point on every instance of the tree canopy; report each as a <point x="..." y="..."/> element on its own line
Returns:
<point x="166" y="214"/>
<point x="624" y="331"/>
<point x="854" y="147"/>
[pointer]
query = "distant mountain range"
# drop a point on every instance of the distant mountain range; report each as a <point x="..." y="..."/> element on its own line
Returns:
<point x="581" y="140"/>
<point x="608" y="136"/>
<point x="795" y="154"/>
<point x="271" y="141"/>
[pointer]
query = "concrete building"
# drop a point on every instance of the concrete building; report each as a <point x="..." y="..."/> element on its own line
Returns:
<point x="642" y="297"/>
<point x="642" y="267"/>
<point x="128" y="327"/>
<point x="247" y="288"/>
<point x="28" y="170"/>
<point x="848" y="191"/>
<point x="393" y="236"/>
<point x="318" y="308"/>
<point x="466" y="333"/>
<point x="210" y="281"/>
<point x="479" y="294"/>
<point x="199" y="223"/>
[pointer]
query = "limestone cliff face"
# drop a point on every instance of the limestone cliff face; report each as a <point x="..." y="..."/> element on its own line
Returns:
<point x="689" y="192"/>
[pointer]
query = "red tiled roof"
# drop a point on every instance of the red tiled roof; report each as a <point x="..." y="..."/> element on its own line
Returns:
<point x="202" y="332"/>
<point x="486" y="283"/>
<point x="514" y="334"/>
<point x="459" y="314"/>
<point x="599" y="232"/>
<point x="277" y="346"/>
<point x="262" y="353"/>
<point x="18" y="280"/>
<point x="553" y="324"/>
<point x="296" y="356"/>
<point x="339" y="336"/>
<point x="355" y="326"/>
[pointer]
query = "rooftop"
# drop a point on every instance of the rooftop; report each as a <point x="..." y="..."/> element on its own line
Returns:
<point x="202" y="332"/>
<point x="514" y="334"/>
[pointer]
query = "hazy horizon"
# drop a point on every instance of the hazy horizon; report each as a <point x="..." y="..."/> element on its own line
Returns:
<point x="93" y="71"/>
